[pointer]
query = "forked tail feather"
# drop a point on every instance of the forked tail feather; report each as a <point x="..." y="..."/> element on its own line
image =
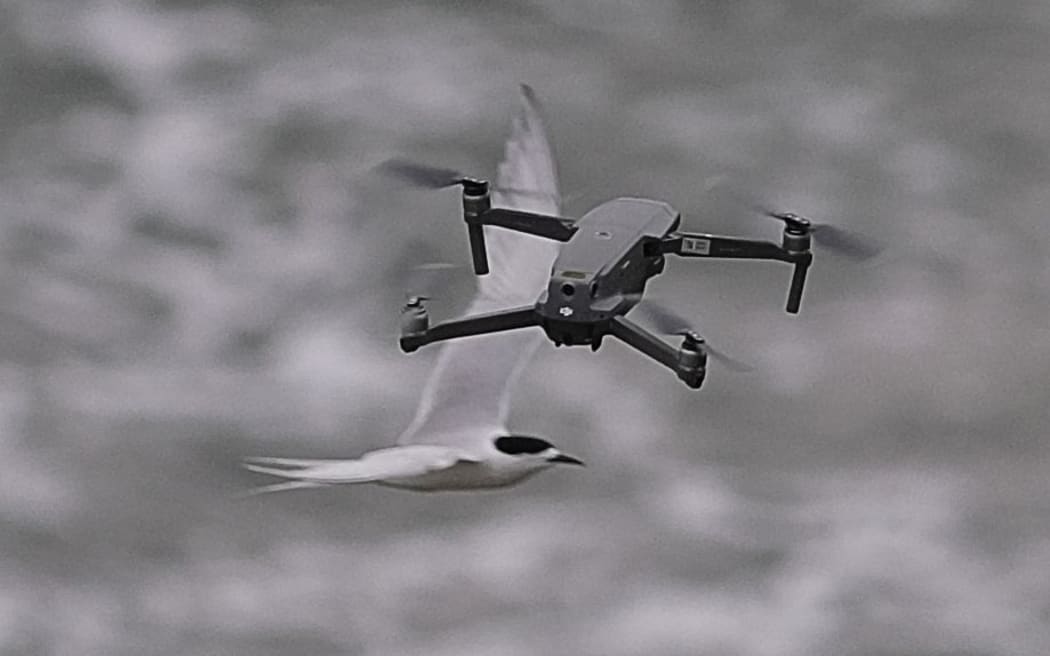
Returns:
<point x="278" y="487"/>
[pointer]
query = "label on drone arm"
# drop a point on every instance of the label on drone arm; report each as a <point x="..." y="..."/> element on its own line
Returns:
<point x="696" y="246"/>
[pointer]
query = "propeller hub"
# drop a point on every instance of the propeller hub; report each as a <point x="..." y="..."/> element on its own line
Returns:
<point x="692" y="339"/>
<point x="474" y="186"/>
<point x="793" y="222"/>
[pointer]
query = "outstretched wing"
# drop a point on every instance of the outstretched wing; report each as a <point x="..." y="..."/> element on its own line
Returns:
<point x="468" y="392"/>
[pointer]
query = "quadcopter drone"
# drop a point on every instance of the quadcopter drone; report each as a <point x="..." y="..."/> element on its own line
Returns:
<point x="600" y="274"/>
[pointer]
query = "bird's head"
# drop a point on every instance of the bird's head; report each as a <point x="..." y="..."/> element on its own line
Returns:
<point x="534" y="452"/>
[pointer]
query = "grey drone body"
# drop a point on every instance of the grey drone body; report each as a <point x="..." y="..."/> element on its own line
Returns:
<point x="602" y="271"/>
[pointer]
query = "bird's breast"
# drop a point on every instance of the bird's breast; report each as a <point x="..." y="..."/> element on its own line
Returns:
<point x="460" y="476"/>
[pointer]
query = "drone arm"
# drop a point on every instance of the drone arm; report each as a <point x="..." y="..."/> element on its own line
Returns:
<point x="634" y="335"/>
<point x="478" y="212"/>
<point x="492" y="322"/>
<point x="540" y="225"/>
<point x="689" y="244"/>
<point x="795" y="251"/>
<point x="637" y="337"/>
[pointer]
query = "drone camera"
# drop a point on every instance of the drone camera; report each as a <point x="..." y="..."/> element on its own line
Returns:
<point x="568" y="289"/>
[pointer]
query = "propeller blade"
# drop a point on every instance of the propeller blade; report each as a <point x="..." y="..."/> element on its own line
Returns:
<point x="425" y="280"/>
<point x="528" y="193"/>
<point x="669" y="322"/>
<point x="436" y="177"/>
<point x="721" y="184"/>
<point x="835" y="238"/>
<point x="845" y="242"/>
<point x="727" y="361"/>
<point x="664" y="319"/>
<point x="420" y="175"/>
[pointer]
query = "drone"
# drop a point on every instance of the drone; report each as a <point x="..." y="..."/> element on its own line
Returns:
<point x="601" y="272"/>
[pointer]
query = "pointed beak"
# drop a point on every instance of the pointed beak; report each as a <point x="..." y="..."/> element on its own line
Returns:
<point x="567" y="459"/>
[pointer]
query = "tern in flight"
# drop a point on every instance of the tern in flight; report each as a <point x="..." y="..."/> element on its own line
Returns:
<point x="458" y="439"/>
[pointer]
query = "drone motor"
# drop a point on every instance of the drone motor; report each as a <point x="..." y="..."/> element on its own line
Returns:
<point x="414" y="317"/>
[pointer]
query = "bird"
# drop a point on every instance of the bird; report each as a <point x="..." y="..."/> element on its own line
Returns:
<point x="458" y="438"/>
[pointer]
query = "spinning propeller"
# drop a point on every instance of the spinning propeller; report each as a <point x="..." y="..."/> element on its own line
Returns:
<point x="424" y="281"/>
<point x="422" y="175"/>
<point x="838" y="240"/>
<point x="835" y="238"/>
<point x="668" y="322"/>
<point x="436" y="177"/>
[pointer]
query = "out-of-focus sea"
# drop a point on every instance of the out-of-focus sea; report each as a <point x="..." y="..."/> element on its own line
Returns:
<point x="197" y="265"/>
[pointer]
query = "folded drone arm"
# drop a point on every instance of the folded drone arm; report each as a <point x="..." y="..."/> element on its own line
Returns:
<point x="492" y="322"/>
<point x="689" y="244"/>
<point x="637" y="337"/>
<point x="541" y="225"/>
<point x="478" y="212"/>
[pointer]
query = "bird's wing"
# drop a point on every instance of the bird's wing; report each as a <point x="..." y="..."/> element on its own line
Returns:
<point x="468" y="392"/>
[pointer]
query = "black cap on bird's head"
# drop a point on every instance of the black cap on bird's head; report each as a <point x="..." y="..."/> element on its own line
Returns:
<point x="524" y="445"/>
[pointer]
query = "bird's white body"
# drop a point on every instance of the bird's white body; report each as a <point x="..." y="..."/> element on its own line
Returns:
<point x="420" y="467"/>
<point x="463" y="474"/>
<point x="458" y="439"/>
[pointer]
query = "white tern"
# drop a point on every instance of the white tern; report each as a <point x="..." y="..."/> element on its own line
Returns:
<point x="458" y="439"/>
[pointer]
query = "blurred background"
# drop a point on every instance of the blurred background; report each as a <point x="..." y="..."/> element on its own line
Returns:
<point x="198" y="265"/>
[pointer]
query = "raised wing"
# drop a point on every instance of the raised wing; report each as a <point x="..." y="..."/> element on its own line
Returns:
<point x="468" y="392"/>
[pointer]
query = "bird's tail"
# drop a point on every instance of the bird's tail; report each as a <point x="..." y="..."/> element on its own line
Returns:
<point x="303" y="474"/>
<point x="278" y="487"/>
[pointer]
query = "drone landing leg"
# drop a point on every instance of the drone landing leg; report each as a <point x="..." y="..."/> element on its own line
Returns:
<point x="635" y="336"/>
<point x="481" y="324"/>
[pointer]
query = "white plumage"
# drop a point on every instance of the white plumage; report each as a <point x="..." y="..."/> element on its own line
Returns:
<point x="453" y="441"/>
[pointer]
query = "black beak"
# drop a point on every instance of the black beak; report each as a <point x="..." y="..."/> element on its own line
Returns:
<point x="567" y="459"/>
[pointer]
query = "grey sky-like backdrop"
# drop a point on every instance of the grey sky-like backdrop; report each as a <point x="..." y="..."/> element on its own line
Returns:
<point x="196" y="265"/>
